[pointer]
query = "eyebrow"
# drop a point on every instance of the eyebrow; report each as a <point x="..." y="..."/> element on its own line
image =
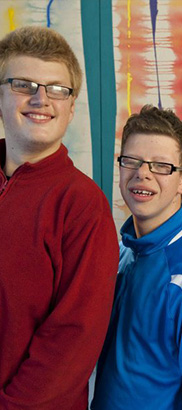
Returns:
<point x="155" y="159"/>
<point x="56" y="82"/>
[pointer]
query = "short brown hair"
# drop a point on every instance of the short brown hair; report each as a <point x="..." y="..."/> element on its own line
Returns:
<point x="43" y="43"/>
<point x="153" y="120"/>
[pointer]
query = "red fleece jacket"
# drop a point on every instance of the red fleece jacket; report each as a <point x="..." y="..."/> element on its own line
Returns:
<point x="58" y="265"/>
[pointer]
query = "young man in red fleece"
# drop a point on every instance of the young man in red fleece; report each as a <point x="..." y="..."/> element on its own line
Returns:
<point x="59" y="251"/>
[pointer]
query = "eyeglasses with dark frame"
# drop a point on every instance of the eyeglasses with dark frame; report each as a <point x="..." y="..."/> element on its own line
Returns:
<point x="55" y="91"/>
<point x="156" y="167"/>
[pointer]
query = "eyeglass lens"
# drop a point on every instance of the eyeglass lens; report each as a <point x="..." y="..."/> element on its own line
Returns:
<point x="158" y="167"/>
<point x="29" y="87"/>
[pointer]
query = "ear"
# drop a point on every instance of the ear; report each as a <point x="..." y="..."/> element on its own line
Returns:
<point x="72" y="109"/>
<point x="180" y="185"/>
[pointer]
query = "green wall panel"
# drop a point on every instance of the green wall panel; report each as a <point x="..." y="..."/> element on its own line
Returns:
<point x="99" y="63"/>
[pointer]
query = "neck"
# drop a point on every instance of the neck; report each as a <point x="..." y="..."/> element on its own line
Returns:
<point x="145" y="226"/>
<point x="141" y="228"/>
<point x="16" y="158"/>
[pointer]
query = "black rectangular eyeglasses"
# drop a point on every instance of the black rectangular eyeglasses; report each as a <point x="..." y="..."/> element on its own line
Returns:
<point x="156" y="167"/>
<point x="55" y="91"/>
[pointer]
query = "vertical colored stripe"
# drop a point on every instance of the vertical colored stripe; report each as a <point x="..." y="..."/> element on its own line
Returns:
<point x="175" y="18"/>
<point x="90" y="14"/>
<point x="11" y="14"/>
<point x="48" y="13"/>
<point x="99" y="63"/>
<point x="129" y="77"/>
<point x="129" y="80"/>
<point x="129" y="13"/>
<point x="108" y="98"/>
<point x="153" y="13"/>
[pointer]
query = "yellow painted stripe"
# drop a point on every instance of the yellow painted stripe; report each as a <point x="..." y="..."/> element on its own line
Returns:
<point x="11" y="15"/>
<point x="129" y="77"/>
<point x="129" y="13"/>
<point x="129" y="80"/>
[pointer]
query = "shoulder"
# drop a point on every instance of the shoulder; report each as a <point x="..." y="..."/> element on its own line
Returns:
<point x="82" y="191"/>
<point x="173" y="255"/>
<point x="174" y="261"/>
<point x="87" y="183"/>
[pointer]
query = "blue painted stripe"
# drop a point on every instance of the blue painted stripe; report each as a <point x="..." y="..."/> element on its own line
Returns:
<point x="48" y="13"/>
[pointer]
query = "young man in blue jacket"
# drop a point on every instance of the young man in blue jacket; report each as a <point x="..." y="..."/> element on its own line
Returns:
<point x="140" y="367"/>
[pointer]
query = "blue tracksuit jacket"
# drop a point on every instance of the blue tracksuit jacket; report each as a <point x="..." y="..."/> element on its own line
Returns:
<point x="140" y="367"/>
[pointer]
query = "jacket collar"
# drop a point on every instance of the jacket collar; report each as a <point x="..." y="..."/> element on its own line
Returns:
<point x="56" y="162"/>
<point x="156" y="239"/>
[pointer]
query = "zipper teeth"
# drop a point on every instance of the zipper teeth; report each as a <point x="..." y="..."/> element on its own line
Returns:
<point x="4" y="187"/>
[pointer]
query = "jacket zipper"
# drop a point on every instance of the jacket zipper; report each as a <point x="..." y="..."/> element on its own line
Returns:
<point x="3" y="187"/>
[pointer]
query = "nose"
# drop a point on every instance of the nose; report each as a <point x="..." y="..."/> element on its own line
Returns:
<point x="144" y="172"/>
<point x="40" y="98"/>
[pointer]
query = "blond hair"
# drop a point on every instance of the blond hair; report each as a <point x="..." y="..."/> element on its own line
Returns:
<point x="44" y="43"/>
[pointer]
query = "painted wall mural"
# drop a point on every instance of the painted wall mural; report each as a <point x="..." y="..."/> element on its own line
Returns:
<point x="148" y="66"/>
<point x="63" y="16"/>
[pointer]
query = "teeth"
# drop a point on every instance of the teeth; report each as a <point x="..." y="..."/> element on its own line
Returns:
<point x="38" y="116"/>
<point x="142" y="192"/>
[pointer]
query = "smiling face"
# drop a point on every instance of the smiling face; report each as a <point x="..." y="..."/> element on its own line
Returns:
<point x="35" y="123"/>
<point x="152" y="198"/>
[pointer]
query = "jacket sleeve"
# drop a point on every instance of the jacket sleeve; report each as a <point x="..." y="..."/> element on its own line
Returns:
<point x="174" y="292"/>
<point x="65" y="348"/>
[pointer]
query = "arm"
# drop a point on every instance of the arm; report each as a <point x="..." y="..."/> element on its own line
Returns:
<point x="65" y="348"/>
